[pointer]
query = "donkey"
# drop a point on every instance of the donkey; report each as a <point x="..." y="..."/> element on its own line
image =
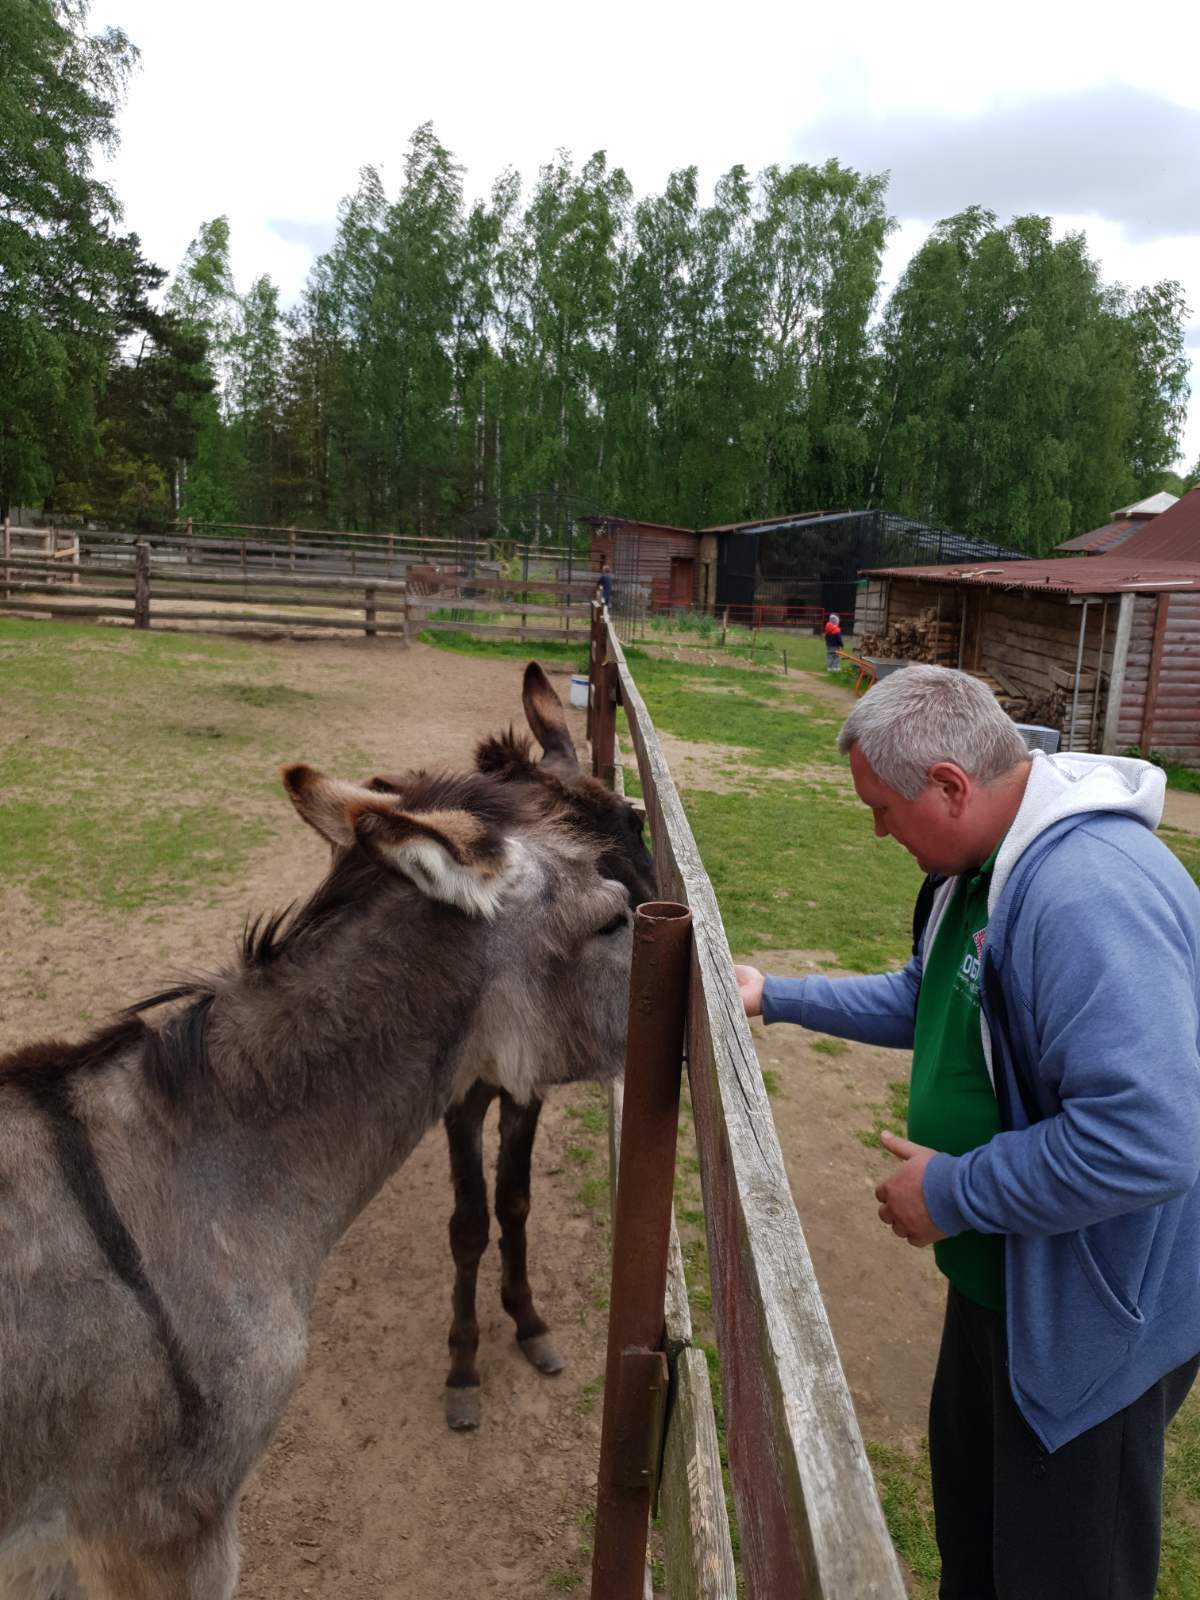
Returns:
<point x="170" y="1188"/>
<point x="617" y="826"/>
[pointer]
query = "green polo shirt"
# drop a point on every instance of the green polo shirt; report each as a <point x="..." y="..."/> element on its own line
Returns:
<point x="952" y="1105"/>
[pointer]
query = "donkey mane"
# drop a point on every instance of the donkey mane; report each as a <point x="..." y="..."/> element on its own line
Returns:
<point x="174" y="1055"/>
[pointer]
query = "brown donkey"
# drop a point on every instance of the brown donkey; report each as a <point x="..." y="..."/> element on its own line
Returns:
<point x="169" y="1189"/>
<point x="617" y="827"/>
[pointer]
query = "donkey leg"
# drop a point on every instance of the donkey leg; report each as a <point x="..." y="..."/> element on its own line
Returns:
<point x="201" y="1568"/>
<point x="468" y="1241"/>
<point x="518" y="1129"/>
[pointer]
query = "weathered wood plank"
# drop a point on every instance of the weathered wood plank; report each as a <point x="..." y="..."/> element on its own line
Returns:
<point x="809" y="1520"/>
<point x="697" y="1553"/>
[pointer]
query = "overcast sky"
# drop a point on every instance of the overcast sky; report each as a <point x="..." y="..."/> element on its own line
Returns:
<point x="266" y="111"/>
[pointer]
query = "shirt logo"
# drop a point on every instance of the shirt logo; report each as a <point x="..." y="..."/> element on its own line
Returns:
<point x="967" y="979"/>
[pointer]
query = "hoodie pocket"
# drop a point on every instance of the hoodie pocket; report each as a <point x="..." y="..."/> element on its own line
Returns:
<point x="1122" y="1310"/>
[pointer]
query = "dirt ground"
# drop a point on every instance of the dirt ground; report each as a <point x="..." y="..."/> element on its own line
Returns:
<point x="365" y="1493"/>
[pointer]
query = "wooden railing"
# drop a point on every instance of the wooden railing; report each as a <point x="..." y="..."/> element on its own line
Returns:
<point x="809" y="1521"/>
<point x="168" y="581"/>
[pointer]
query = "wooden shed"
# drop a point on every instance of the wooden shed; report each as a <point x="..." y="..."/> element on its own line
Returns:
<point x="1107" y="650"/>
<point x="655" y="561"/>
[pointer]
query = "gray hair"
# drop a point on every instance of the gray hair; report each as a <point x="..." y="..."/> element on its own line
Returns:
<point x="923" y="715"/>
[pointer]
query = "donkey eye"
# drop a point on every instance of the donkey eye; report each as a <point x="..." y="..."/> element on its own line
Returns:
<point x="621" y="920"/>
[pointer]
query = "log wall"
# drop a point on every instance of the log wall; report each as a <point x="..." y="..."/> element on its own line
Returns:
<point x="1173" y="726"/>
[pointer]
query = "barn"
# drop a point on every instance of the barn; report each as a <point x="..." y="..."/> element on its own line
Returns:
<point x="1107" y="650"/>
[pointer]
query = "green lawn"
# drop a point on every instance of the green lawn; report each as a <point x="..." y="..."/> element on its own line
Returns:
<point x="135" y="767"/>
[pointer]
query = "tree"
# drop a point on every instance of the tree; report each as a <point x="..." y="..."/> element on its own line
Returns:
<point x="64" y="271"/>
<point x="203" y="300"/>
<point x="1019" y="398"/>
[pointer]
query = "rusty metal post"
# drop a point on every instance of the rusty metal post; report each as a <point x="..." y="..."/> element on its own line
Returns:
<point x="635" y="1377"/>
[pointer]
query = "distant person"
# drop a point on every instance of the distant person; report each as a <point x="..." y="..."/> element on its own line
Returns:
<point x="1052" y="1006"/>
<point x="833" y="642"/>
<point x="604" y="583"/>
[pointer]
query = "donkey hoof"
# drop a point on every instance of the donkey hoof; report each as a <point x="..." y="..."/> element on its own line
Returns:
<point x="538" y="1349"/>
<point x="462" y="1408"/>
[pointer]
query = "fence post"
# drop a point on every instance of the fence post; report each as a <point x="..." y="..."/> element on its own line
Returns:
<point x="7" y="555"/>
<point x="635" y="1378"/>
<point x="604" y="714"/>
<point x="188" y="557"/>
<point x="594" y="647"/>
<point x="291" y="549"/>
<point x="243" y="560"/>
<point x="369" y="611"/>
<point x="141" y="585"/>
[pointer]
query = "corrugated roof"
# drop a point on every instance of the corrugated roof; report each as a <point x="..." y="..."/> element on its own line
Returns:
<point x="1109" y="537"/>
<point x="1173" y="535"/>
<point x="1104" y="575"/>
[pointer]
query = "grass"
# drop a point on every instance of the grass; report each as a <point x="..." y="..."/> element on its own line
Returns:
<point x="893" y="1115"/>
<point x="134" y="767"/>
<point x="465" y="644"/>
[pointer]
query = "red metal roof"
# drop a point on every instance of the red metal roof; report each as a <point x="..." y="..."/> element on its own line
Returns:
<point x="1104" y="575"/>
<point x="1108" y="537"/>
<point x="1173" y="535"/>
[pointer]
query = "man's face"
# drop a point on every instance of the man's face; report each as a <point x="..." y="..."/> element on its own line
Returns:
<point x="928" y="827"/>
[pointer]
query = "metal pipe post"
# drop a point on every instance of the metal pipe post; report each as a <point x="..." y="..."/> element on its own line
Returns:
<point x="635" y="1380"/>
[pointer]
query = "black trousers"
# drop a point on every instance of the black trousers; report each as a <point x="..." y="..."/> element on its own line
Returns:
<point x="1015" y="1522"/>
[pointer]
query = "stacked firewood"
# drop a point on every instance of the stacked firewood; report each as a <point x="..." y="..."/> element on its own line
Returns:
<point x="1048" y="710"/>
<point x="921" y="638"/>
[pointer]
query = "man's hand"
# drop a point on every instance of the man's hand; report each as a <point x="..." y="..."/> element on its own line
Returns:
<point x="750" y="986"/>
<point x="901" y="1197"/>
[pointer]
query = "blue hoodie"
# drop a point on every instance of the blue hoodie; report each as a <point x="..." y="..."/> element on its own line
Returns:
<point x="1090" y="1013"/>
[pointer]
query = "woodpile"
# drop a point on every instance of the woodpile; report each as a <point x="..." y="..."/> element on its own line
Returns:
<point x="1047" y="710"/>
<point x="921" y="638"/>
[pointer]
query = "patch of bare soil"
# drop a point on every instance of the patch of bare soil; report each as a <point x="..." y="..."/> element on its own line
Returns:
<point x="724" y="768"/>
<point x="884" y="1298"/>
<point x="364" y="1492"/>
<point x="1182" y="810"/>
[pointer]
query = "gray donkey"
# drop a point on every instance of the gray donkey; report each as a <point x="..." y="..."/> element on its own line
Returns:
<point x="617" y="827"/>
<point x="169" y="1190"/>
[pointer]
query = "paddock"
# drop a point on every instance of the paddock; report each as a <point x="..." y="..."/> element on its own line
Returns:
<point x="364" y="1491"/>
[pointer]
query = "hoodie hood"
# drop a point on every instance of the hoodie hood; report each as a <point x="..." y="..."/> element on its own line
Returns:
<point x="1072" y="785"/>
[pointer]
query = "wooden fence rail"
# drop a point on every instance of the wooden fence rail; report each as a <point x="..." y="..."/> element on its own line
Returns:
<point x="809" y="1520"/>
<point x="130" y="584"/>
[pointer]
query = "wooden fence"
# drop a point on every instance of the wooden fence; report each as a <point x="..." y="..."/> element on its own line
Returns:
<point x="809" y="1521"/>
<point x="168" y="581"/>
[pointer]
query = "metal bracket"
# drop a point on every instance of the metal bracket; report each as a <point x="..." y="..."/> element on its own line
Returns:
<point x="641" y="1410"/>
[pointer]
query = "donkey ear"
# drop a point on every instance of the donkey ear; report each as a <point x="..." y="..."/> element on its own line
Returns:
<point x="323" y="802"/>
<point x="545" y="715"/>
<point x="452" y="856"/>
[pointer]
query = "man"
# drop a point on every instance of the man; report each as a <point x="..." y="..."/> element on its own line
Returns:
<point x="604" y="583"/>
<point x="1053" y="1009"/>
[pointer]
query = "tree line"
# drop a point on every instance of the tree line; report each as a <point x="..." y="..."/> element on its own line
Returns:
<point x="673" y="357"/>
